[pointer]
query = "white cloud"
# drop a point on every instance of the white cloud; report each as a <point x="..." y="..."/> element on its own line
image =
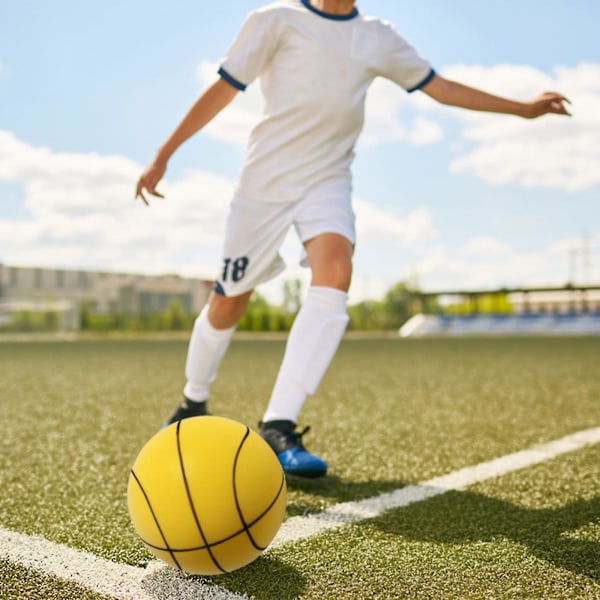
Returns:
<point x="82" y="214"/>
<point x="553" y="151"/>
<point x="390" y="117"/>
<point x="375" y="224"/>
<point x="425" y="131"/>
<point x="484" y="246"/>
<point x="444" y="268"/>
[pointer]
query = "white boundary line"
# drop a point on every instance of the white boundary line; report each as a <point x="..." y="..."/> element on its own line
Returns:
<point x="297" y="528"/>
<point x="123" y="582"/>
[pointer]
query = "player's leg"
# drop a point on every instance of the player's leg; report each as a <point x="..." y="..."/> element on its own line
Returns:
<point x="318" y="327"/>
<point x="317" y="330"/>
<point x="212" y="332"/>
<point x="250" y="256"/>
<point x="312" y="343"/>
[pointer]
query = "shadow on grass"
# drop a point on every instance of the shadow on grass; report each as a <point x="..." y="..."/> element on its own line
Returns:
<point x="331" y="486"/>
<point x="264" y="579"/>
<point x="464" y="517"/>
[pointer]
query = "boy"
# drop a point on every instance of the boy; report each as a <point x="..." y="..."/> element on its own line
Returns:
<point x="315" y="60"/>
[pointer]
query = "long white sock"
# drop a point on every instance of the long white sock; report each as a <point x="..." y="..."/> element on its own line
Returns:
<point x="312" y="343"/>
<point x="206" y="349"/>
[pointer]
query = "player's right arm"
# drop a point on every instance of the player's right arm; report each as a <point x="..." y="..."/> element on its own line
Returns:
<point x="207" y="106"/>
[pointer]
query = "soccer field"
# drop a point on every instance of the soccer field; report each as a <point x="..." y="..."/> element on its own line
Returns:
<point x="419" y="422"/>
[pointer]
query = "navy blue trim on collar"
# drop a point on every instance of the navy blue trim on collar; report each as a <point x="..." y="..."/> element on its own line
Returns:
<point x="331" y="16"/>
<point x="423" y="83"/>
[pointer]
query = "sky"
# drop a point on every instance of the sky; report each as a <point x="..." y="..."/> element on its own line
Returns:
<point x="445" y="198"/>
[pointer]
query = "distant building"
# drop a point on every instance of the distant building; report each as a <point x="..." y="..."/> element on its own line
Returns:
<point x="105" y="292"/>
<point x="568" y="300"/>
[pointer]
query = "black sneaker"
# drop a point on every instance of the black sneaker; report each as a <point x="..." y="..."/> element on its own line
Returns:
<point x="187" y="408"/>
<point x="287" y="445"/>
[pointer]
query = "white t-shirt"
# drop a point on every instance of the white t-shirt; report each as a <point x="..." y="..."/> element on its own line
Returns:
<point x="314" y="69"/>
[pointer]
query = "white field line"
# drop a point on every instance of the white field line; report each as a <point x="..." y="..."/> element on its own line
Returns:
<point x="297" y="528"/>
<point x="123" y="582"/>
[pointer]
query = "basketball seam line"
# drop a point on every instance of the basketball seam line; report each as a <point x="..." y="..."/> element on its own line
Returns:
<point x="191" y="503"/>
<point x="167" y="547"/>
<point x="245" y="525"/>
<point x="229" y="537"/>
<point x="248" y="526"/>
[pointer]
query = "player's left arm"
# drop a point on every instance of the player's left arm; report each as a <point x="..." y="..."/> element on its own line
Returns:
<point x="454" y="93"/>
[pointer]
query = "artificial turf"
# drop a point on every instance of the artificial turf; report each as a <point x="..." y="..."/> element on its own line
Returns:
<point x="19" y="583"/>
<point x="388" y="412"/>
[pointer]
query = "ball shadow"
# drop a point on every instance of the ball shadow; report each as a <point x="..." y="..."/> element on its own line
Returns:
<point x="264" y="579"/>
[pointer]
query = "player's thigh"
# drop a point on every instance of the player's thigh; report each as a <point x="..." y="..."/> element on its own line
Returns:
<point x="325" y="223"/>
<point x="254" y="234"/>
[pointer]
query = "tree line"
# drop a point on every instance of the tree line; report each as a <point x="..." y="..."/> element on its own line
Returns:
<point x="398" y="304"/>
<point x="402" y="301"/>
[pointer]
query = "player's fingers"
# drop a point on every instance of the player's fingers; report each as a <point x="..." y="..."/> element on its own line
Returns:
<point x="140" y="193"/>
<point x="557" y="103"/>
<point x="558" y="107"/>
<point x="148" y="181"/>
<point x="139" y="187"/>
<point x="139" y="190"/>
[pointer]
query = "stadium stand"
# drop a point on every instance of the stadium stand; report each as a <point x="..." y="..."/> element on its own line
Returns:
<point x="568" y="310"/>
<point x="538" y="324"/>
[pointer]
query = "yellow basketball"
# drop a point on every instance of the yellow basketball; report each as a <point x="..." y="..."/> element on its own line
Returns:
<point x="206" y="495"/>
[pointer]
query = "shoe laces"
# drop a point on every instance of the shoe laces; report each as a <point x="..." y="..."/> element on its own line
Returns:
<point x="294" y="438"/>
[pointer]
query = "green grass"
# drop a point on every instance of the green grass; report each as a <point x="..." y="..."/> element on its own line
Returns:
<point x="17" y="582"/>
<point x="521" y="536"/>
<point x="389" y="412"/>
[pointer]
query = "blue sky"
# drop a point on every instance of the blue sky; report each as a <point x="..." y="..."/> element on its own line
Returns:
<point x="448" y="198"/>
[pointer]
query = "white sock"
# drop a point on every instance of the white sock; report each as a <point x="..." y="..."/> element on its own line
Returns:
<point x="205" y="351"/>
<point x="312" y="343"/>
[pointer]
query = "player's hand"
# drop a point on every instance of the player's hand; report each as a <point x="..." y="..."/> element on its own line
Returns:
<point x="548" y="102"/>
<point x="149" y="180"/>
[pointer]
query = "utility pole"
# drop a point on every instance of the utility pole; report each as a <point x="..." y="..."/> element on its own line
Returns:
<point x="572" y="265"/>
<point x="586" y="257"/>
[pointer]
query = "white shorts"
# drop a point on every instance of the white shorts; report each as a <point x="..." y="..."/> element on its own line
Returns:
<point x="256" y="230"/>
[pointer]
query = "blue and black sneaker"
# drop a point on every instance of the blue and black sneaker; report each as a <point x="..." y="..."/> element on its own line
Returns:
<point x="287" y="445"/>
<point x="187" y="408"/>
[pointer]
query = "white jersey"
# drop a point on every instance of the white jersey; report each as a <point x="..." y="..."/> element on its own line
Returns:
<point x="315" y="69"/>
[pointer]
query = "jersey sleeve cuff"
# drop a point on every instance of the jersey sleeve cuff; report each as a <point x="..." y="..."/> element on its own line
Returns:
<point x="423" y="83"/>
<point x="232" y="80"/>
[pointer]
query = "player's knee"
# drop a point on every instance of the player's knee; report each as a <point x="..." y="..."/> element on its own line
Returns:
<point x="337" y="273"/>
<point x="224" y="311"/>
<point x="343" y="274"/>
